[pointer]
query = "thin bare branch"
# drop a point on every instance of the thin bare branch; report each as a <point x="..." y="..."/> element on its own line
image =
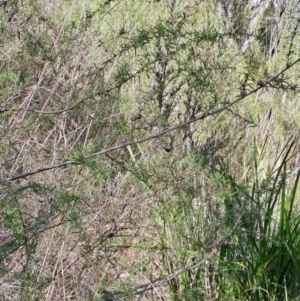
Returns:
<point x="155" y="136"/>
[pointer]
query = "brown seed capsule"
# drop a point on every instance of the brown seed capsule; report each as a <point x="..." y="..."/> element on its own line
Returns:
<point x="167" y="148"/>
<point x="136" y="117"/>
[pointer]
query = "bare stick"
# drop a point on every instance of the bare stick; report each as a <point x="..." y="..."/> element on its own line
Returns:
<point x="155" y="136"/>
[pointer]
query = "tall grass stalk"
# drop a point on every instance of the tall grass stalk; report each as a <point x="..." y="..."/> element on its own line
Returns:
<point x="260" y="261"/>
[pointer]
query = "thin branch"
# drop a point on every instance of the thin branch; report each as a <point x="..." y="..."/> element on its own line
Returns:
<point x="155" y="136"/>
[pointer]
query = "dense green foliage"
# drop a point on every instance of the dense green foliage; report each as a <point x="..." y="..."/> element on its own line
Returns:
<point x="149" y="150"/>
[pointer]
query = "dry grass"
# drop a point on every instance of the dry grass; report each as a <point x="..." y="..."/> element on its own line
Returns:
<point x="77" y="78"/>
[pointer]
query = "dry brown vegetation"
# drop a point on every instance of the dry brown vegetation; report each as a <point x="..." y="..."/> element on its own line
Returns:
<point x="140" y="144"/>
